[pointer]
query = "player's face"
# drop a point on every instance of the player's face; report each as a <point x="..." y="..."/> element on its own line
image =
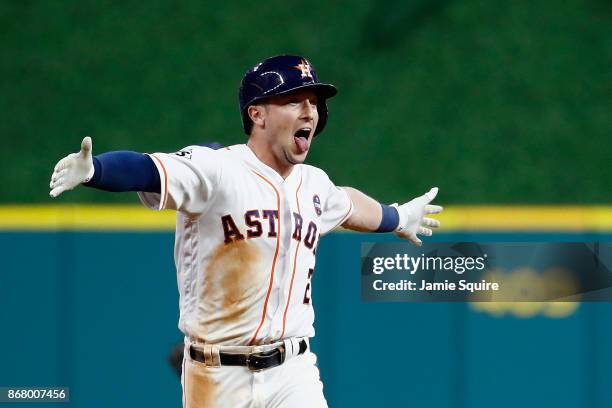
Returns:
<point x="291" y="121"/>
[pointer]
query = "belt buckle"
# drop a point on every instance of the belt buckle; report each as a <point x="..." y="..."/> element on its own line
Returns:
<point x="251" y="366"/>
<point x="257" y="362"/>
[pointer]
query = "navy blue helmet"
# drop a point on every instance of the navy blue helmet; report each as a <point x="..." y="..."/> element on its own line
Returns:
<point x="281" y="75"/>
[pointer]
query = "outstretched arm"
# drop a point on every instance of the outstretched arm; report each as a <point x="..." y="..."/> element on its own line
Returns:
<point x="367" y="212"/>
<point x="112" y="171"/>
<point x="407" y="220"/>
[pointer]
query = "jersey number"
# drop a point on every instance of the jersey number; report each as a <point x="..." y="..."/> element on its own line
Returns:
<point x="307" y="291"/>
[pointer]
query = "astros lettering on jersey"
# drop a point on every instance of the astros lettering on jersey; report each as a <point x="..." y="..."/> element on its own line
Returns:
<point x="245" y="242"/>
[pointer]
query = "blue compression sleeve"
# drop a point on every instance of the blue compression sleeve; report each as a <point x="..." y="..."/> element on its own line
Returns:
<point x="125" y="171"/>
<point x="390" y="219"/>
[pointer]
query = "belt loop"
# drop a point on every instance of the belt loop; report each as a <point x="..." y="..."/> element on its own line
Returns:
<point x="216" y="356"/>
<point x="211" y="355"/>
<point x="295" y="341"/>
<point x="289" y="349"/>
<point x="207" y="354"/>
<point x="292" y="347"/>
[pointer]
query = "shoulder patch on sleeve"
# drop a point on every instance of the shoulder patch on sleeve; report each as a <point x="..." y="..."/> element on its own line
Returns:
<point x="316" y="201"/>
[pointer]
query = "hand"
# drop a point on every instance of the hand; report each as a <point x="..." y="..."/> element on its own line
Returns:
<point x="72" y="170"/>
<point x="413" y="220"/>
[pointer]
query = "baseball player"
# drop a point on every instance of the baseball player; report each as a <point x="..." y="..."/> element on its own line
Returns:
<point x="249" y="220"/>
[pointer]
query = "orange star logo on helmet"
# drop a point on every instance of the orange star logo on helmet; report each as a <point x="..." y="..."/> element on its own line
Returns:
<point x="304" y="66"/>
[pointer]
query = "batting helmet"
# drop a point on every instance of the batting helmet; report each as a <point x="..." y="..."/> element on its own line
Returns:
<point x="278" y="76"/>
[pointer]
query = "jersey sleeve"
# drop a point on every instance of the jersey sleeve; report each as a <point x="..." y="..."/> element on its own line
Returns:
<point x="189" y="179"/>
<point x="337" y="207"/>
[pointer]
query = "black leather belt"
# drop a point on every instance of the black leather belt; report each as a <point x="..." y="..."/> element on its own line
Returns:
<point x="254" y="361"/>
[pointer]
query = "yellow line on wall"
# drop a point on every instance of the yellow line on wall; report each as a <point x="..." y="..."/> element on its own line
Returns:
<point x="454" y="218"/>
<point x="85" y="217"/>
<point x="528" y="218"/>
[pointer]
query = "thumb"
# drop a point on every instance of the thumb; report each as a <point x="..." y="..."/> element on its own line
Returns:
<point x="86" y="146"/>
<point x="415" y="240"/>
<point x="431" y="194"/>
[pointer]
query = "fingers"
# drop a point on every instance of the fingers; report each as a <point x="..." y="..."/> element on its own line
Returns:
<point x="415" y="240"/>
<point x="58" y="182"/>
<point x="61" y="164"/>
<point x="431" y="194"/>
<point x="58" y="174"/>
<point x="66" y="173"/>
<point x="54" y="178"/>
<point x="60" y="171"/>
<point x="86" y="145"/>
<point x="415" y="222"/>
<point x="58" y="178"/>
<point x="433" y="209"/>
<point x="425" y="231"/>
<point x="57" y="191"/>
<point x="410" y="237"/>
<point x="430" y="222"/>
<point x="65" y="162"/>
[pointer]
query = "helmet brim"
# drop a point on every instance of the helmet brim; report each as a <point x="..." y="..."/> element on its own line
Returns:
<point x="324" y="91"/>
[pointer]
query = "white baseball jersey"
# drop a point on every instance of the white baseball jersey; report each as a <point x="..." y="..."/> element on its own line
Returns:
<point x="245" y="242"/>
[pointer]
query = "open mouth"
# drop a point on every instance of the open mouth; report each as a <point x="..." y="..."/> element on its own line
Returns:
<point x="301" y="137"/>
<point x="303" y="132"/>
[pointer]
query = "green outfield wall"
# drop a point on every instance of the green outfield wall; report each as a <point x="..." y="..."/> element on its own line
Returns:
<point x="495" y="102"/>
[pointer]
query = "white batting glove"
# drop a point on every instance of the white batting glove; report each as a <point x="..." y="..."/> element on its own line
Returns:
<point x="412" y="220"/>
<point x="72" y="170"/>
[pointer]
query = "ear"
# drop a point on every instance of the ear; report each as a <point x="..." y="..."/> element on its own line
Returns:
<point x="257" y="114"/>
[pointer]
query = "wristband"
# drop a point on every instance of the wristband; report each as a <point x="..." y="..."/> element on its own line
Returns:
<point x="390" y="219"/>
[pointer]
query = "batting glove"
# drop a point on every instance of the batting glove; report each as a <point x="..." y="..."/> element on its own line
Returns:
<point x="72" y="170"/>
<point x="412" y="219"/>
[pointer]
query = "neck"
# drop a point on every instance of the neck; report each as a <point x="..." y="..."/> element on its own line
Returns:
<point x="264" y="153"/>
